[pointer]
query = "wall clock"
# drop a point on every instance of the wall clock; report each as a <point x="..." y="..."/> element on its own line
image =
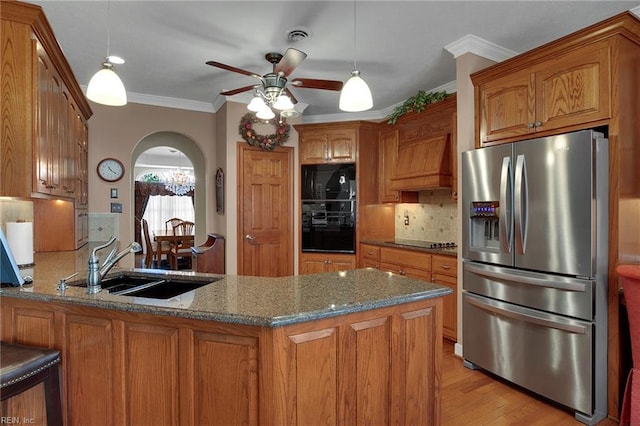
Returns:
<point x="110" y="170"/>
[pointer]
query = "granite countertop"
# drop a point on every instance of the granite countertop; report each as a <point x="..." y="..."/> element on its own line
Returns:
<point x="258" y="301"/>
<point x="416" y="245"/>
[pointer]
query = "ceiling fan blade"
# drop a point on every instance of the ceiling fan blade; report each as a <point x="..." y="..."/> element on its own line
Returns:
<point x="238" y="90"/>
<point x="233" y="69"/>
<point x="293" y="98"/>
<point x="312" y="83"/>
<point x="290" y="61"/>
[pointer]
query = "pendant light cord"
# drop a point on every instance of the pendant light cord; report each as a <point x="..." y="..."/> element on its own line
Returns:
<point x="108" y="28"/>
<point x="355" y="45"/>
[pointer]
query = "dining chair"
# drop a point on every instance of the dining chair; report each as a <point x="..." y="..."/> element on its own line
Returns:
<point x="152" y="253"/>
<point x="182" y="248"/>
<point x="172" y="223"/>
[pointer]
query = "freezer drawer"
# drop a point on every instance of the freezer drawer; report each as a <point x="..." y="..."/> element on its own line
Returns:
<point x="552" y="293"/>
<point x="547" y="354"/>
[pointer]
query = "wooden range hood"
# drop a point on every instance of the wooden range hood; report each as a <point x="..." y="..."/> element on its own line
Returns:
<point x="425" y="148"/>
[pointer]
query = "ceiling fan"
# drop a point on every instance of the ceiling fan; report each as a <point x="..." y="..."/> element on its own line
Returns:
<point x="273" y="89"/>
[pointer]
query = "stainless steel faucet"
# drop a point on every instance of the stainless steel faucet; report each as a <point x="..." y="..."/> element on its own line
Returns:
<point x="96" y="272"/>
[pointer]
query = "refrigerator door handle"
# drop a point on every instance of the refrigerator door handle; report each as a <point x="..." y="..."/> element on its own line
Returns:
<point x="506" y="230"/>
<point x="540" y="282"/>
<point x="521" y="204"/>
<point x="502" y="309"/>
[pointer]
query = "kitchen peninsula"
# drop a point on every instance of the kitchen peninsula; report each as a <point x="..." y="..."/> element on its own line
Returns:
<point x="355" y="347"/>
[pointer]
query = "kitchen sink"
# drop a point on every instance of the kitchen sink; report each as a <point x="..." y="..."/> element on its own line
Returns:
<point x="149" y="286"/>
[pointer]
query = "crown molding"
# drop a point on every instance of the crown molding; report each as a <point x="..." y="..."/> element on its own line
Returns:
<point x="162" y="101"/>
<point x="219" y="101"/>
<point x="479" y="46"/>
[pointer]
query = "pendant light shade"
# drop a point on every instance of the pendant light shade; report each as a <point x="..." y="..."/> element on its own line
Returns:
<point x="355" y="95"/>
<point x="105" y="87"/>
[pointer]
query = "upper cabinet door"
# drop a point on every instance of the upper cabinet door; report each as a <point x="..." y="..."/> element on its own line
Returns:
<point x="313" y="148"/>
<point x="569" y="91"/>
<point x="328" y="147"/>
<point x="574" y="88"/>
<point x="342" y="147"/>
<point x="507" y="106"/>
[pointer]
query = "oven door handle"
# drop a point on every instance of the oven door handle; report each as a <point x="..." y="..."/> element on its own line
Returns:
<point x="501" y="309"/>
<point x="521" y="279"/>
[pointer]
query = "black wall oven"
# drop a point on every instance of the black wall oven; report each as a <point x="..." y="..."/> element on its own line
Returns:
<point x="328" y="208"/>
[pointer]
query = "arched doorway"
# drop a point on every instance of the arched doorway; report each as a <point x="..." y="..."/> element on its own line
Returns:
<point x="195" y="155"/>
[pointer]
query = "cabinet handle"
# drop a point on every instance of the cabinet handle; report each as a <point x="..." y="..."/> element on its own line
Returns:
<point x="538" y="123"/>
<point x="249" y="237"/>
<point x="446" y="267"/>
<point x="529" y="125"/>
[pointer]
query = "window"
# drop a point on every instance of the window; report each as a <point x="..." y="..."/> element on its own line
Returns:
<point x="163" y="207"/>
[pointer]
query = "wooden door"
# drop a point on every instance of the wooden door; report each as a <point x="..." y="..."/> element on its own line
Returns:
<point x="265" y="209"/>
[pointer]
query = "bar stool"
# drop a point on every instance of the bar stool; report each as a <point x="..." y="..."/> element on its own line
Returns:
<point x="22" y="367"/>
<point x="630" y="275"/>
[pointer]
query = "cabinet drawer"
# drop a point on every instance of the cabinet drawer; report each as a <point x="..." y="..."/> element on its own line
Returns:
<point x="370" y="252"/>
<point x="410" y="258"/>
<point x="406" y="271"/>
<point x="447" y="265"/>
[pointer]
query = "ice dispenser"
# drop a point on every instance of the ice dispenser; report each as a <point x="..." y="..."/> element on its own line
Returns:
<point x="485" y="225"/>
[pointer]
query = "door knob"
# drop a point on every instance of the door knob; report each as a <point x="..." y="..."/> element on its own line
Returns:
<point x="249" y="237"/>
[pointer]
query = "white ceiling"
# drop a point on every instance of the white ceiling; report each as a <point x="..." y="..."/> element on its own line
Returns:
<point x="400" y="44"/>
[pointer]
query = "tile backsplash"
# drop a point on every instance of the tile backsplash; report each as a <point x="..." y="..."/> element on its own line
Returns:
<point x="103" y="226"/>
<point x="433" y="218"/>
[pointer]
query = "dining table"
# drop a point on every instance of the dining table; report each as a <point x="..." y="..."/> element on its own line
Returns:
<point x="162" y="235"/>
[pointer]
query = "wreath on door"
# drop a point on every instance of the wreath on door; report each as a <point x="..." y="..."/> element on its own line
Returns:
<point x="266" y="142"/>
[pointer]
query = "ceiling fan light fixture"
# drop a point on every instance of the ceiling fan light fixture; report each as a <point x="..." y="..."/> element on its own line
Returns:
<point x="355" y="95"/>
<point x="256" y="104"/>
<point x="283" y="102"/>
<point x="105" y="87"/>
<point x="265" y="113"/>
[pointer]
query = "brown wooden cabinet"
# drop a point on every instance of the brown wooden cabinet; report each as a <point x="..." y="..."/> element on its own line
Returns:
<point x="584" y="80"/>
<point x="44" y="119"/>
<point x="328" y="146"/>
<point x="369" y="256"/>
<point x="387" y="164"/>
<point x="314" y="263"/>
<point x="445" y="272"/>
<point x="353" y="142"/>
<point x="417" y="153"/>
<point x="569" y="89"/>
<point x="429" y="267"/>
<point x="410" y="263"/>
<point x="122" y="367"/>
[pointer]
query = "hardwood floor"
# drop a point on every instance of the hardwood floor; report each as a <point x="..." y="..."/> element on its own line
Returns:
<point x="471" y="397"/>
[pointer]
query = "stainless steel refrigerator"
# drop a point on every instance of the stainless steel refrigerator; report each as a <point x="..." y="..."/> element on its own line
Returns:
<point x="534" y="236"/>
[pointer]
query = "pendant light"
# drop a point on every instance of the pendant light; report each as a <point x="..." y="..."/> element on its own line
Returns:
<point x="355" y="95"/>
<point x="105" y="87"/>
